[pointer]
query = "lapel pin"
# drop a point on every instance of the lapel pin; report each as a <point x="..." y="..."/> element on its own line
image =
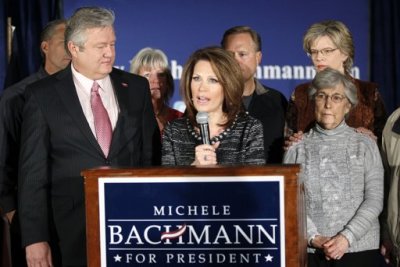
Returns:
<point x="124" y="84"/>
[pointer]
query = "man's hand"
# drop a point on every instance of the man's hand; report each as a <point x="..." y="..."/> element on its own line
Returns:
<point x="386" y="250"/>
<point x="38" y="255"/>
<point x="294" y="138"/>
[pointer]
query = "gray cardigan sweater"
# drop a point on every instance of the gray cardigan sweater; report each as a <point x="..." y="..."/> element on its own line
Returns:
<point x="343" y="180"/>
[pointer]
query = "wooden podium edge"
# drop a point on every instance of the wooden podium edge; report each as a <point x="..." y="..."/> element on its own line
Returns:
<point x="295" y="238"/>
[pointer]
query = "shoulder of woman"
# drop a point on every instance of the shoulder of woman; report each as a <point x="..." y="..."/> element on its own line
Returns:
<point x="293" y="153"/>
<point x="174" y="113"/>
<point x="250" y="120"/>
<point x="177" y="123"/>
<point x="362" y="139"/>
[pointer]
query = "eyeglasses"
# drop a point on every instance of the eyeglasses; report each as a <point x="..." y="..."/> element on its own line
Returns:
<point x="324" y="52"/>
<point x="335" y="98"/>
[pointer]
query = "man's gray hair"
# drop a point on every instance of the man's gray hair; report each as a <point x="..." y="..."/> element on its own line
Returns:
<point x="330" y="78"/>
<point x="86" y="18"/>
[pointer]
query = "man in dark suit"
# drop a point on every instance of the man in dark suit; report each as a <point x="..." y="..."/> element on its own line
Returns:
<point x="12" y="101"/>
<point x="85" y="116"/>
<point x="263" y="103"/>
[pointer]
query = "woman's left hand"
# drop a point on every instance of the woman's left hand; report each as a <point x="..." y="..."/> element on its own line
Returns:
<point x="205" y="154"/>
<point x="336" y="247"/>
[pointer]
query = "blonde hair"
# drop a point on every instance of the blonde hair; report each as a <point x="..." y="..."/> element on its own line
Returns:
<point x="151" y="58"/>
<point x="339" y="35"/>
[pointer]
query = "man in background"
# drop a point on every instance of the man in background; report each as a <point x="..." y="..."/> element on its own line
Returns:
<point x="87" y="115"/>
<point x="55" y="59"/>
<point x="263" y="103"/>
<point x="390" y="248"/>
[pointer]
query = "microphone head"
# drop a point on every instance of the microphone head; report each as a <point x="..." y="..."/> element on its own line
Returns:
<point x="202" y="117"/>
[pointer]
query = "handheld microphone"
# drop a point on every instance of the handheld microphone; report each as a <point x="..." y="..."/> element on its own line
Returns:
<point x="202" y="120"/>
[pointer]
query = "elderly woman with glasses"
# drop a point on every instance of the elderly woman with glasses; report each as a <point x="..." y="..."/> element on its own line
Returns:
<point x="330" y="44"/>
<point x="343" y="179"/>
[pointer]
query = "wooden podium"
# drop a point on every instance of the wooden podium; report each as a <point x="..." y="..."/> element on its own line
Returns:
<point x="293" y="217"/>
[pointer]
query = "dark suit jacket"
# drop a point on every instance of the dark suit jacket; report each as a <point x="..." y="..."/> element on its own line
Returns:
<point x="57" y="144"/>
<point x="11" y="107"/>
<point x="269" y="106"/>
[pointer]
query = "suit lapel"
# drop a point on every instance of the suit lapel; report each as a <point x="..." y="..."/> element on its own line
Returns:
<point x="123" y="129"/>
<point x="66" y="90"/>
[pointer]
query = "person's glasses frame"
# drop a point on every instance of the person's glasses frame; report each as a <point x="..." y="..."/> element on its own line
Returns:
<point x="335" y="98"/>
<point x="324" y="52"/>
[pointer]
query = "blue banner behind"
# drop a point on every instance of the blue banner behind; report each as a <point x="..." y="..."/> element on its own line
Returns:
<point x="179" y="221"/>
<point x="180" y="27"/>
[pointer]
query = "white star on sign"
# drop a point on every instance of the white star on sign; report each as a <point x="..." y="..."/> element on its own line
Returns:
<point x="117" y="258"/>
<point x="268" y="258"/>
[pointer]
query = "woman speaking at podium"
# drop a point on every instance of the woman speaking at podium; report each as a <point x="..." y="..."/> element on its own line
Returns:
<point x="343" y="179"/>
<point x="215" y="129"/>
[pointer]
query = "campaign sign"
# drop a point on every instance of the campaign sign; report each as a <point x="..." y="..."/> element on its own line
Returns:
<point x="192" y="221"/>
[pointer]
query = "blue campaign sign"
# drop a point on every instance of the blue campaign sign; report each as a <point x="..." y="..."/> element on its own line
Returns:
<point x="201" y="221"/>
<point x="180" y="27"/>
